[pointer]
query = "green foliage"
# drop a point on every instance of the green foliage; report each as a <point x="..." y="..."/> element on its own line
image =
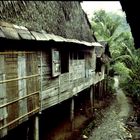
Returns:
<point x="122" y="70"/>
<point x="125" y="62"/>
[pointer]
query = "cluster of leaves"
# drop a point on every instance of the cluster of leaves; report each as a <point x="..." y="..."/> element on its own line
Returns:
<point x="113" y="29"/>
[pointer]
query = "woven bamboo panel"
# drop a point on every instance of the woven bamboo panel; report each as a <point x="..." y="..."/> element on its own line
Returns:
<point x="32" y="83"/>
<point x="19" y="86"/>
<point x="3" y="111"/>
<point x="11" y="65"/>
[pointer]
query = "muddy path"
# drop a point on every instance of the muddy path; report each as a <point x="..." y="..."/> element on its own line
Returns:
<point x="113" y="125"/>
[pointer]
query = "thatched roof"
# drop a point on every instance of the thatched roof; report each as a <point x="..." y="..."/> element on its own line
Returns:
<point x="64" y="18"/>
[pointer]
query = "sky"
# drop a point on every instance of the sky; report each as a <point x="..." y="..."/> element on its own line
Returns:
<point x="91" y="6"/>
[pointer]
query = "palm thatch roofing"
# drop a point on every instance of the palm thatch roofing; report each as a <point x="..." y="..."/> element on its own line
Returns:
<point x="63" y="18"/>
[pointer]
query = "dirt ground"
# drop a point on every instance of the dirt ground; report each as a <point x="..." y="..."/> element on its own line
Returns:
<point x="113" y="123"/>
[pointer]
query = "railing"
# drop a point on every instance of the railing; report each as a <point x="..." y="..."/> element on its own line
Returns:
<point x="10" y="123"/>
<point x="16" y="79"/>
<point x="21" y="98"/>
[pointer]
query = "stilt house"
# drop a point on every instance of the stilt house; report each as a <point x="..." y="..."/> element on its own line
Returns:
<point x="39" y="70"/>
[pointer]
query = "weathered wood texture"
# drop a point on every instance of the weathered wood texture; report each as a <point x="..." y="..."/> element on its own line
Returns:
<point x="32" y="83"/>
<point x="11" y="72"/>
<point x="27" y="85"/>
<point x="80" y="76"/>
<point x="3" y="111"/>
<point x="19" y="88"/>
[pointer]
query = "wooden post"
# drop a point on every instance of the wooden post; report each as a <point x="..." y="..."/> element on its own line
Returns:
<point x="105" y="86"/>
<point x="72" y="114"/>
<point x="91" y="99"/>
<point x="107" y="78"/>
<point x="104" y="92"/>
<point x="100" y="90"/>
<point x="97" y="92"/>
<point x="36" y="127"/>
<point x="93" y="95"/>
<point x="41" y="79"/>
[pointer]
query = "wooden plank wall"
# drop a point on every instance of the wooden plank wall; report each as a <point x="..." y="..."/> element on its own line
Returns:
<point x="57" y="89"/>
<point x="77" y="69"/>
<point x="49" y="84"/>
<point x="64" y="87"/>
<point x="90" y="63"/>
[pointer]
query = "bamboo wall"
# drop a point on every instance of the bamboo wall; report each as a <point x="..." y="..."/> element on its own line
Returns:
<point x="19" y="88"/>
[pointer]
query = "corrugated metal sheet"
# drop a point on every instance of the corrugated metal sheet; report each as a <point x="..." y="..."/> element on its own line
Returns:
<point x="11" y="31"/>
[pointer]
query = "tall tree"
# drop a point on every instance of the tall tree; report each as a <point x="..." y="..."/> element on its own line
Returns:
<point x="114" y="29"/>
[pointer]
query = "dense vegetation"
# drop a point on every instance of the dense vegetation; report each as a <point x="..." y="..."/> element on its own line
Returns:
<point x="113" y="29"/>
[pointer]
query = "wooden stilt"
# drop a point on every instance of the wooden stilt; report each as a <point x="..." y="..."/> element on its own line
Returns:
<point x="36" y="128"/>
<point x="104" y="92"/>
<point x="96" y="92"/>
<point x="93" y="95"/>
<point x="103" y="89"/>
<point x="106" y="86"/>
<point x="72" y="114"/>
<point x="101" y="86"/>
<point x="91" y="99"/>
<point x="100" y="90"/>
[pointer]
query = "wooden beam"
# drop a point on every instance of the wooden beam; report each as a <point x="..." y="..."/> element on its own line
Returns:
<point x="94" y="95"/>
<point x="91" y="99"/>
<point x="72" y="114"/>
<point x="36" y="128"/>
<point x="100" y="90"/>
<point x="21" y="98"/>
<point x="16" y="52"/>
<point x="17" y="119"/>
<point x="41" y="81"/>
<point x="20" y="78"/>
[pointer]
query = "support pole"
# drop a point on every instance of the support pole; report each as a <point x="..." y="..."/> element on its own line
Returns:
<point x="101" y="86"/>
<point x="36" y="127"/>
<point x="100" y="90"/>
<point x="94" y="95"/>
<point x="72" y="114"/>
<point x="91" y="99"/>
<point x="104" y="88"/>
